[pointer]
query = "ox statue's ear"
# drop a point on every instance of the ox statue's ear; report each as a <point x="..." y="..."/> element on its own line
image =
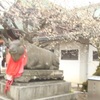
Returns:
<point x="7" y="43"/>
<point x="21" y="39"/>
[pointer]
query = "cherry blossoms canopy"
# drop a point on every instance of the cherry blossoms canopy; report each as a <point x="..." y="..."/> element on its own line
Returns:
<point x="5" y="6"/>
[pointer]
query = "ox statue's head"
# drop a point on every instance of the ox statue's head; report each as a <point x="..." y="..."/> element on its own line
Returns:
<point x="16" y="49"/>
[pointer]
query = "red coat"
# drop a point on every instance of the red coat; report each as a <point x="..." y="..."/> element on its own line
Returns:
<point x="15" y="69"/>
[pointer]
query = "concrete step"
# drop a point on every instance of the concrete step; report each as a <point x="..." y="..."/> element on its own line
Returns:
<point x="36" y="90"/>
<point x="4" y="98"/>
<point x="68" y="96"/>
<point x="2" y="75"/>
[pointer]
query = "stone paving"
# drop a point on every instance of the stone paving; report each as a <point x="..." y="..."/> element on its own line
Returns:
<point x="3" y="98"/>
<point x="82" y="95"/>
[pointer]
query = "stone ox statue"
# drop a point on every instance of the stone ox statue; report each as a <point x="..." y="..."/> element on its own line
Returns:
<point x="38" y="58"/>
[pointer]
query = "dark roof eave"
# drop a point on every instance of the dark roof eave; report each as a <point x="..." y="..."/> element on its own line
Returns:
<point x="60" y="37"/>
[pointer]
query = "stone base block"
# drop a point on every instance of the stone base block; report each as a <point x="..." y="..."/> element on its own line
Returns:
<point x="36" y="90"/>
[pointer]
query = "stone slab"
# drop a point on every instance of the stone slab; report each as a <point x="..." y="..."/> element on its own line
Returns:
<point x="40" y="74"/>
<point x="36" y="90"/>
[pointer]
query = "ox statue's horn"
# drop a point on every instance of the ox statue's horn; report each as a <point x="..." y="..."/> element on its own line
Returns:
<point x="9" y="41"/>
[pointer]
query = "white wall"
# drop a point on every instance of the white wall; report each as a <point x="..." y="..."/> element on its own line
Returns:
<point x="74" y="70"/>
<point x="71" y="70"/>
<point x="83" y="62"/>
<point x="78" y="71"/>
<point x="92" y="65"/>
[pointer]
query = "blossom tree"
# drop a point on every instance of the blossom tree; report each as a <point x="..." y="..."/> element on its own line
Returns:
<point x="39" y="18"/>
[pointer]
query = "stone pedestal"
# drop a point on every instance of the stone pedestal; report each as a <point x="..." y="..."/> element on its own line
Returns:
<point x="37" y="90"/>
